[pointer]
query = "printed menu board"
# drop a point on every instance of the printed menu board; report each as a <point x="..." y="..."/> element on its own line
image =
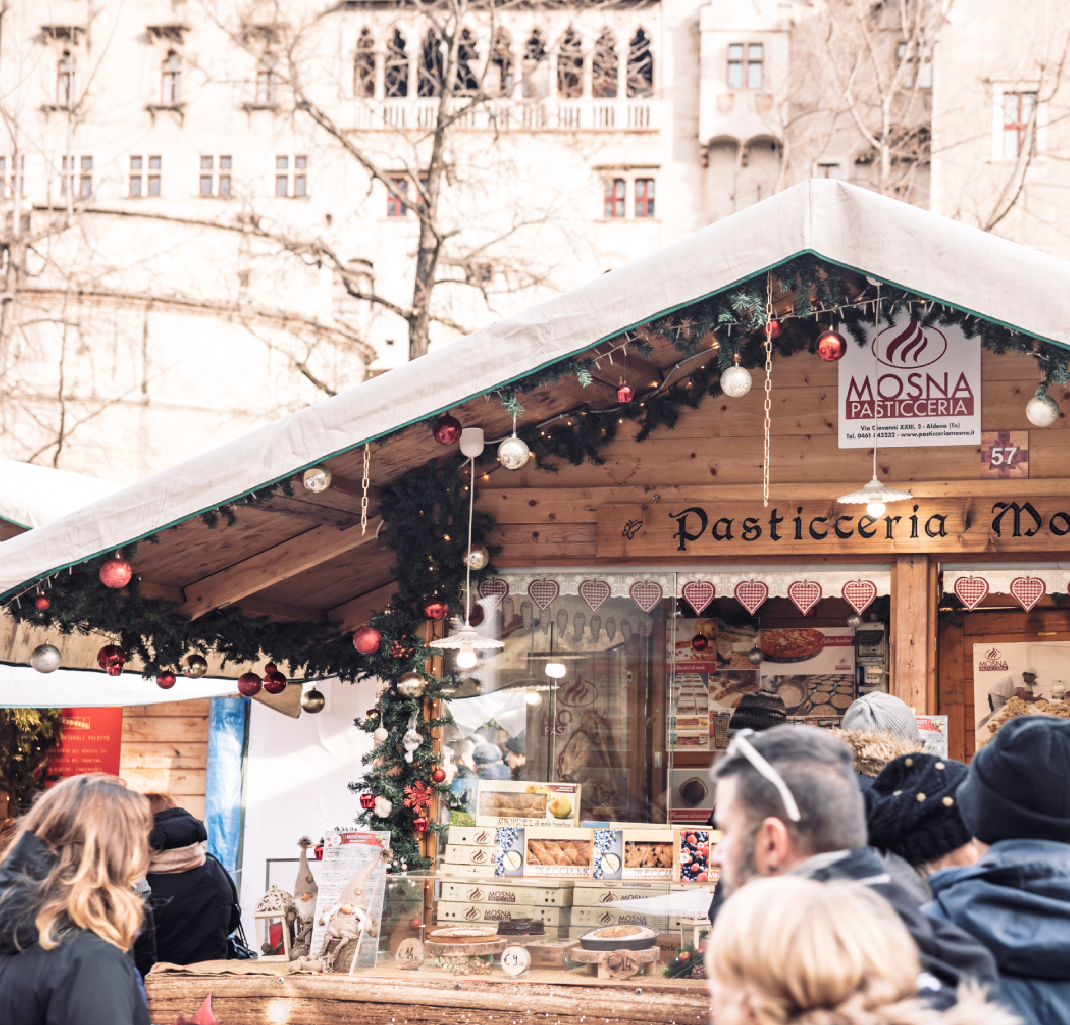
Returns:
<point x="90" y="741"/>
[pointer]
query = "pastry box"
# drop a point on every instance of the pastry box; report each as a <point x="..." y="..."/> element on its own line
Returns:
<point x="487" y="914"/>
<point x="567" y="853"/>
<point x="472" y="836"/>
<point x="591" y="894"/>
<point x="584" y="918"/>
<point x="456" y="854"/>
<point x="513" y="894"/>
<point x="516" y="803"/>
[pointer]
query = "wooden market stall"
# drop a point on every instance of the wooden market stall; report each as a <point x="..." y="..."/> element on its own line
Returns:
<point x="684" y="529"/>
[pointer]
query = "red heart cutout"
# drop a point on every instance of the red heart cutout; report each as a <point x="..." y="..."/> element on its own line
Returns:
<point x="646" y="594"/>
<point x="493" y="589"/>
<point x="1028" y="591"/>
<point x="805" y="594"/>
<point x="544" y="592"/>
<point x="859" y="594"/>
<point x="971" y="590"/>
<point x="751" y="594"/>
<point x="594" y="592"/>
<point x="698" y="594"/>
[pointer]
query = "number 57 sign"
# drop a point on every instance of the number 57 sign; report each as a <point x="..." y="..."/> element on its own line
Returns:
<point x="1005" y="454"/>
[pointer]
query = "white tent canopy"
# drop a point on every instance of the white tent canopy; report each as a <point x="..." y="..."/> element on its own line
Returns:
<point x="23" y="687"/>
<point x="900" y="244"/>
<point x="32" y="495"/>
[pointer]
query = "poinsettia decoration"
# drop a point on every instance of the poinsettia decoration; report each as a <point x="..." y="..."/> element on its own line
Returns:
<point x="418" y="795"/>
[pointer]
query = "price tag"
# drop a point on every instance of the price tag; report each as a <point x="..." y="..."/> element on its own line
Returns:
<point x="515" y="960"/>
<point x="409" y="950"/>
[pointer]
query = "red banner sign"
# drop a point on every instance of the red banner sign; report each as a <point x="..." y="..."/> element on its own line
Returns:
<point x="89" y="742"/>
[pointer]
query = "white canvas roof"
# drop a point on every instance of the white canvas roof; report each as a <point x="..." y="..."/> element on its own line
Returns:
<point x="900" y="244"/>
<point x="32" y="495"/>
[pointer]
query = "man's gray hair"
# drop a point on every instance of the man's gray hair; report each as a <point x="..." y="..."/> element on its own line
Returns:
<point x="818" y="769"/>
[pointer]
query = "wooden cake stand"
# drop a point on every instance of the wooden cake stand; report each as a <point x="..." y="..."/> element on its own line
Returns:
<point x="618" y="964"/>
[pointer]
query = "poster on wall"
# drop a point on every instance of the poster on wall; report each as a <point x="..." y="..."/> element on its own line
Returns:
<point x="1025" y="671"/>
<point x="691" y="799"/>
<point x="933" y="730"/>
<point x="90" y="741"/>
<point x="926" y="381"/>
<point x="812" y="669"/>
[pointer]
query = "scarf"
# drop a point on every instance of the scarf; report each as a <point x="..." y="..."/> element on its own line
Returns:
<point x="178" y="859"/>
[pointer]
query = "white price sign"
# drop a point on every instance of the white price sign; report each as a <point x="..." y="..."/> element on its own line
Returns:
<point x="515" y="960"/>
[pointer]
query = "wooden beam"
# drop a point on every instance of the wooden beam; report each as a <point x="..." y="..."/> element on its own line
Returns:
<point x="160" y="592"/>
<point x="353" y="613"/>
<point x="270" y="567"/>
<point x="912" y="606"/>
<point x="277" y="610"/>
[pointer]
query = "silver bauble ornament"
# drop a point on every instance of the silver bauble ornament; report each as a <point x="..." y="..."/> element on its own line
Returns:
<point x="1042" y="411"/>
<point x="855" y="621"/>
<point x="381" y="735"/>
<point x="478" y="558"/>
<point x="312" y="701"/>
<point x="736" y="381"/>
<point x="196" y="667"/>
<point x="755" y="656"/>
<point x="412" y="685"/>
<point x="317" y="478"/>
<point x="46" y="658"/>
<point x="513" y="453"/>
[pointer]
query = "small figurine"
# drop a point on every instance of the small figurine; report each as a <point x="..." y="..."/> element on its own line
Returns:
<point x="305" y="892"/>
<point x="411" y="740"/>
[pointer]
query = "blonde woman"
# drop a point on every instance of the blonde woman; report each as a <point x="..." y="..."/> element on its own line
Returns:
<point x="791" y="951"/>
<point x="68" y="910"/>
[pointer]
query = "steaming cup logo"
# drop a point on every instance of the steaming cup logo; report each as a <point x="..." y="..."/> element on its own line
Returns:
<point x="482" y="837"/>
<point x="478" y="857"/>
<point x="578" y="693"/>
<point x="912" y="347"/>
<point x="606" y="898"/>
<point x="475" y="895"/>
<point x="605" y="918"/>
<point x="471" y="914"/>
<point x="992" y="654"/>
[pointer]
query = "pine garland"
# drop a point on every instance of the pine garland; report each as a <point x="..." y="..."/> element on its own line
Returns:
<point x="27" y="736"/>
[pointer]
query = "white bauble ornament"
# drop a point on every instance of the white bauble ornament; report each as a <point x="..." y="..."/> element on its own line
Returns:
<point x="1042" y="411"/>
<point x="381" y="735"/>
<point x="317" y="478"/>
<point x="46" y="658"/>
<point x="411" y="740"/>
<point x="412" y="685"/>
<point x="477" y="558"/>
<point x="383" y="807"/>
<point x="513" y="453"/>
<point x="756" y="656"/>
<point x="736" y="381"/>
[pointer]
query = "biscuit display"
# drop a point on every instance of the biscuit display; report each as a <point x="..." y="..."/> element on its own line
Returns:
<point x="504" y="805"/>
<point x="559" y="852"/>
<point x="648" y="855"/>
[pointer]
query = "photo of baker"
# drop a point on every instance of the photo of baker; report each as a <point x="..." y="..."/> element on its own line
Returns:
<point x="1017" y="678"/>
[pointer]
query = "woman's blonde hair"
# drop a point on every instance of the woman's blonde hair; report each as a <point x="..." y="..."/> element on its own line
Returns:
<point x="99" y="831"/>
<point x="794" y="950"/>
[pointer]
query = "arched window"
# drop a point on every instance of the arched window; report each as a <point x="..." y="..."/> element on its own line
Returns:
<point x="430" y="80"/>
<point x="396" y="69"/>
<point x="364" y="65"/>
<point x="570" y="67"/>
<point x="65" y="83"/>
<point x="500" y="73"/>
<point x="172" y="80"/>
<point x="533" y="70"/>
<point x="604" y="66"/>
<point x="467" y="59"/>
<point x="640" y="65"/>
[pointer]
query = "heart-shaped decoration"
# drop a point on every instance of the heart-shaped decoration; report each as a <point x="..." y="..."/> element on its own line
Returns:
<point x="596" y="627"/>
<point x="493" y="590"/>
<point x="971" y="590"/>
<point x="859" y="594"/>
<point x="698" y="594"/>
<point x="1027" y="591"/>
<point x="578" y="622"/>
<point x="646" y="594"/>
<point x="751" y="594"/>
<point x="611" y="628"/>
<point x="594" y="592"/>
<point x="544" y="592"/>
<point x="527" y="615"/>
<point x="562" y="621"/>
<point x="625" y="629"/>
<point x="643" y="628"/>
<point x="507" y="611"/>
<point x="805" y="594"/>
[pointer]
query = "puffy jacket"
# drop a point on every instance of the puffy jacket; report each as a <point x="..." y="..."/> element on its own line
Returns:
<point x="83" y="981"/>
<point x="194" y="911"/>
<point x="1016" y="901"/>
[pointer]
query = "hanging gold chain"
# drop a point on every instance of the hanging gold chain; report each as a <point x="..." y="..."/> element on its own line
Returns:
<point x="365" y="483"/>
<point x="768" y="383"/>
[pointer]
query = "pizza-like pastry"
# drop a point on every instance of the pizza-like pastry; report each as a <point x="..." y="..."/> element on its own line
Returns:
<point x="794" y="645"/>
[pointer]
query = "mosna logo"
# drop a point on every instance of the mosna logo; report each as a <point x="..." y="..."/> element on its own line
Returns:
<point x="478" y="857"/>
<point x="605" y="918"/>
<point x="578" y="693"/>
<point x="606" y="898"/>
<point x="482" y="837"/>
<point x="912" y="347"/>
<point x="475" y="895"/>
<point x="992" y="654"/>
<point x="471" y="914"/>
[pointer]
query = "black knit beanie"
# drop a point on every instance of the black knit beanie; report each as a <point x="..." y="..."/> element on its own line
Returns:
<point x="1016" y="788"/>
<point x="912" y="811"/>
<point x="758" y="710"/>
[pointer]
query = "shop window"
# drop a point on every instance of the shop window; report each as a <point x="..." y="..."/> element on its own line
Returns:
<point x="746" y="66"/>
<point x="171" y="95"/>
<point x="570" y="67"/>
<point x="640" y="65"/>
<point x="1019" y="124"/>
<point x="604" y="67"/>
<point x="396" y="69"/>
<point x="614" y="207"/>
<point x="364" y="66"/>
<point x="395" y="200"/>
<point x="644" y="197"/>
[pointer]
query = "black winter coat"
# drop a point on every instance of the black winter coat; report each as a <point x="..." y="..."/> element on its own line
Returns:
<point x="194" y="911"/>
<point x="83" y="981"/>
<point x="1016" y="901"/>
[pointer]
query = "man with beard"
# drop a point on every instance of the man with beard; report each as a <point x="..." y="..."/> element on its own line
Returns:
<point x="787" y="803"/>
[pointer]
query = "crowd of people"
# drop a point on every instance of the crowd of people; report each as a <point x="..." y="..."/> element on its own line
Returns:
<point x="855" y="889"/>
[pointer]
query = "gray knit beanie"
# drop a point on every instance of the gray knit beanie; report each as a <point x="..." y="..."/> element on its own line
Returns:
<point x="882" y="713"/>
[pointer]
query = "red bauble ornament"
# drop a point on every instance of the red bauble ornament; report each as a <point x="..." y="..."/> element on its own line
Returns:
<point x="111" y="658"/>
<point x="831" y="346"/>
<point x="700" y="642"/>
<point x="116" y="573"/>
<point x="421" y="824"/>
<point x="435" y="608"/>
<point x="773" y="329"/>
<point x="476" y="615"/>
<point x="270" y="668"/>
<point x="438" y="776"/>
<point x="165" y="681"/>
<point x="367" y="799"/>
<point x="41" y="603"/>
<point x="367" y="639"/>
<point x="625" y="392"/>
<point x="274" y="683"/>
<point x="684" y="955"/>
<point x="416" y="923"/>
<point x="249" y="684"/>
<point x="447" y="430"/>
